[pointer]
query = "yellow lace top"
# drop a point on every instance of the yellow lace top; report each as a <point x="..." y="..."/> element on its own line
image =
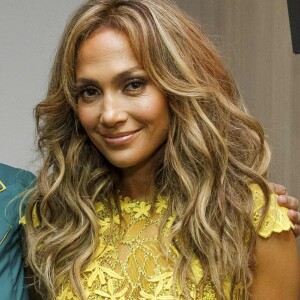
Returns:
<point x="131" y="264"/>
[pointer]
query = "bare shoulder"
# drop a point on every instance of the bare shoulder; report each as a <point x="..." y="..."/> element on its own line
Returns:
<point x="277" y="268"/>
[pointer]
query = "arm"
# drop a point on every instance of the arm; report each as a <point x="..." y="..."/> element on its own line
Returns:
<point x="277" y="269"/>
<point x="289" y="202"/>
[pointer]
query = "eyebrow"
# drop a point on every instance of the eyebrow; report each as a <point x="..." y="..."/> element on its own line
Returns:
<point x="116" y="79"/>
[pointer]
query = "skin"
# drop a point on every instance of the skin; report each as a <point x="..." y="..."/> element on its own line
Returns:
<point x="277" y="269"/>
<point x="122" y="111"/>
<point x="126" y="117"/>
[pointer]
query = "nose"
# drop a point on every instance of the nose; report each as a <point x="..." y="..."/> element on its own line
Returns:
<point x="112" y="112"/>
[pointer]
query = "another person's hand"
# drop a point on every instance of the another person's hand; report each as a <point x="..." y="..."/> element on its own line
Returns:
<point x="289" y="202"/>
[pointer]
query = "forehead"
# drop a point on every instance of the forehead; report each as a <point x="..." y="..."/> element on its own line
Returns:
<point x="103" y="41"/>
<point x="106" y="49"/>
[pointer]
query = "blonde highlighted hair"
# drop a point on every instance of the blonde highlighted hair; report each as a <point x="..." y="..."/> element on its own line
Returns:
<point x="214" y="150"/>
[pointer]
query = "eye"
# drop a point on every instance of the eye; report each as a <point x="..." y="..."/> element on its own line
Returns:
<point x="88" y="92"/>
<point x="135" y="85"/>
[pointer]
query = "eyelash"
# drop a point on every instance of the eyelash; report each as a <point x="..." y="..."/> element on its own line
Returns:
<point x="85" y="89"/>
<point x="141" y="84"/>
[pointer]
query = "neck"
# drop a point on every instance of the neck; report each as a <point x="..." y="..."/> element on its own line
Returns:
<point x="138" y="185"/>
<point x="138" y="182"/>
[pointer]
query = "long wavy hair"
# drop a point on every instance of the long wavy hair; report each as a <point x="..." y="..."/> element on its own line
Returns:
<point x="214" y="150"/>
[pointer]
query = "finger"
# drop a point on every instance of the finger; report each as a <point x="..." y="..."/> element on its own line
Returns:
<point x="288" y="202"/>
<point x="278" y="189"/>
<point x="294" y="216"/>
<point x="296" y="231"/>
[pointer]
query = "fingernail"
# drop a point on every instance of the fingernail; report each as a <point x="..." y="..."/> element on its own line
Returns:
<point x="282" y="199"/>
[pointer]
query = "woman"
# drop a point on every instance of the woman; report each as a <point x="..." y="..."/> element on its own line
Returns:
<point x="153" y="184"/>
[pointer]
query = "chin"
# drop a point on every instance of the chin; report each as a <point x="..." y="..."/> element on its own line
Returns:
<point x="124" y="164"/>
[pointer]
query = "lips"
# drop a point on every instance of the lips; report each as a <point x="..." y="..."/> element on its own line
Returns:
<point x="121" y="138"/>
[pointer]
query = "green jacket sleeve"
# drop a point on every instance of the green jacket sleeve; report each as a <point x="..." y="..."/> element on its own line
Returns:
<point x="13" y="182"/>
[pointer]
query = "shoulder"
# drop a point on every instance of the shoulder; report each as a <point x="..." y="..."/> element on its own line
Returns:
<point x="275" y="251"/>
<point x="14" y="176"/>
<point x="275" y="257"/>
<point x="275" y="219"/>
<point x="13" y="183"/>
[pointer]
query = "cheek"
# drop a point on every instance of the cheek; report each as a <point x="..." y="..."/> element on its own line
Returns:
<point x="161" y="113"/>
<point x="157" y="109"/>
<point x="87" y="116"/>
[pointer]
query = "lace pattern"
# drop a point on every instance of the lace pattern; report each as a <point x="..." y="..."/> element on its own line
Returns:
<point x="130" y="264"/>
<point x="276" y="219"/>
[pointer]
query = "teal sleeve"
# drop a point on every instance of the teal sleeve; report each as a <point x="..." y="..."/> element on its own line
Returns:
<point x="13" y="184"/>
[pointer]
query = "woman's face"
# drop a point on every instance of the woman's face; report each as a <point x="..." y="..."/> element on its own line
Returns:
<point x="122" y="111"/>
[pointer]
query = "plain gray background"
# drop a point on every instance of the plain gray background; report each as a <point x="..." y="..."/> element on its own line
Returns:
<point x="29" y="33"/>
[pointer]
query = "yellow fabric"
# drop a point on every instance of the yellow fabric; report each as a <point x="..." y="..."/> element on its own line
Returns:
<point x="276" y="219"/>
<point x="34" y="218"/>
<point x="131" y="265"/>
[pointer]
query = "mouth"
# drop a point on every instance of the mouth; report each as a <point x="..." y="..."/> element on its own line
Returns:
<point x="119" y="138"/>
